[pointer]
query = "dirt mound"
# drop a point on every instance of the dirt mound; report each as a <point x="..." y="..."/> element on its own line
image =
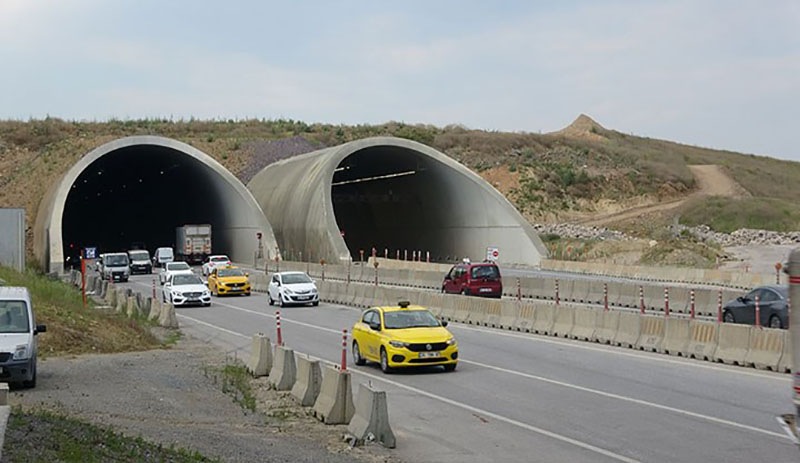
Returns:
<point x="583" y="127"/>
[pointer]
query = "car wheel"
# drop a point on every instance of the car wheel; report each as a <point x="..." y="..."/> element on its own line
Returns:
<point x="270" y="301"/>
<point x="357" y="358"/>
<point x="450" y="367"/>
<point x="775" y="322"/>
<point x="728" y="317"/>
<point x="207" y="304"/>
<point x="465" y="292"/>
<point x="385" y="362"/>
<point x="32" y="382"/>
<point x="281" y="304"/>
<point x="247" y="293"/>
<point x="315" y="304"/>
<point x="442" y="289"/>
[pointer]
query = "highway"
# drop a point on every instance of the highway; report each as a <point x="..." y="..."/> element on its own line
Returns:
<point x="523" y="397"/>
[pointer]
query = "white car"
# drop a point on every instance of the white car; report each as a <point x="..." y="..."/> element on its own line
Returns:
<point x="292" y="288"/>
<point x="171" y="268"/>
<point x="185" y="289"/>
<point x="213" y="261"/>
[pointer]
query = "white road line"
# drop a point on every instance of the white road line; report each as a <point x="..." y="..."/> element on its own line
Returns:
<point x="461" y="405"/>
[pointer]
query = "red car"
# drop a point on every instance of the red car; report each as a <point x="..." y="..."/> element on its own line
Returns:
<point x="479" y="279"/>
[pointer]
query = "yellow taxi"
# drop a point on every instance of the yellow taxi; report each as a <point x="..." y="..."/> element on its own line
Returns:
<point x="228" y="280"/>
<point x="403" y="336"/>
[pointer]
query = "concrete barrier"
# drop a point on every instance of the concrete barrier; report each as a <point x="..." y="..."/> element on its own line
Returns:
<point x="607" y="325"/>
<point x="309" y="378"/>
<point x="676" y="337"/>
<point x="3" y="394"/>
<point x="335" y="402"/>
<point x="630" y="327"/>
<point x="5" y="413"/>
<point x="574" y="290"/>
<point x="132" y="307"/>
<point x="491" y="313"/>
<point x="766" y="347"/>
<point x="585" y="323"/>
<point x="596" y="292"/>
<point x="155" y="310"/>
<point x="526" y="318"/>
<point x="462" y="308"/>
<point x="509" y="314"/>
<point x="371" y="418"/>
<point x="785" y="365"/>
<point x="167" y="317"/>
<point x="702" y="339"/>
<point x="283" y="372"/>
<point x="260" y="362"/>
<point x="652" y="333"/>
<point x="564" y="321"/>
<point x="734" y="341"/>
<point x="449" y="307"/>
<point x="543" y="317"/>
<point x="122" y="300"/>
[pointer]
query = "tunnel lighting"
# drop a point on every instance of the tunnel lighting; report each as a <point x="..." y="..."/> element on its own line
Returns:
<point x="378" y="177"/>
<point x="339" y="169"/>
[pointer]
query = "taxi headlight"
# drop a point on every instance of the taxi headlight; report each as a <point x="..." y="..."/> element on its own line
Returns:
<point x="394" y="343"/>
<point x="451" y="342"/>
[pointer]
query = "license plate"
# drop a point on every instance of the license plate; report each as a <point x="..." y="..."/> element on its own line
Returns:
<point x="303" y="298"/>
<point x="485" y="290"/>
<point x="428" y="355"/>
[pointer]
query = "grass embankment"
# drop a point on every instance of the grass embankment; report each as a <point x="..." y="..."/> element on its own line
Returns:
<point x="42" y="435"/>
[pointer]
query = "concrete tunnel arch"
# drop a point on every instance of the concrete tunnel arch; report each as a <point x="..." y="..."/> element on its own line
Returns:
<point x="389" y="193"/>
<point x="138" y="189"/>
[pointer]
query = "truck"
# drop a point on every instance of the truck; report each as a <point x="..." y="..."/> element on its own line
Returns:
<point x="193" y="243"/>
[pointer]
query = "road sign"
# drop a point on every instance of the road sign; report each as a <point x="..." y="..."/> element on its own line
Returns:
<point x="492" y="253"/>
<point x="90" y="253"/>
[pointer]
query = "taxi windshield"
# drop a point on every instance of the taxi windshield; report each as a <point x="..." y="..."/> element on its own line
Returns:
<point x="230" y="272"/>
<point x="409" y="319"/>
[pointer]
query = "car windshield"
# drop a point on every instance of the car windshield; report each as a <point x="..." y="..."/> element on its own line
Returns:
<point x="409" y="319"/>
<point x="219" y="259"/>
<point x="186" y="279"/>
<point x="165" y="252"/>
<point x="140" y="255"/>
<point x="485" y="271"/>
<point x="230" y="272"/>
<point x="294" y="278"/>
<point x="172" y="266"/>
<point x="117" y="260"/>
<point x="14" y="317"/>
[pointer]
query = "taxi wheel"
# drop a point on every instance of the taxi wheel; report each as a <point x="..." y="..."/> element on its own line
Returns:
<point x="450" y="367"/>
<point x="357" y="358"/>
<point x="385" y="362"/>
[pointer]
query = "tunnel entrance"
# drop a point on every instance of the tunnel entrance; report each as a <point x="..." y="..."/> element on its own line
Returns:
<point x="133" y="192"/>
<point x="136" y="196"/>
<point x="395" y="200"/>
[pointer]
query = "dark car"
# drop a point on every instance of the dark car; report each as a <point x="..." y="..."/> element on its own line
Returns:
<point x="773" y="304"/>
<point x="474" y="279"/>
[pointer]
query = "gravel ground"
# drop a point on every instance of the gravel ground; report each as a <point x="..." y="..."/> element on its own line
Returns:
<point x="174" y="396"/>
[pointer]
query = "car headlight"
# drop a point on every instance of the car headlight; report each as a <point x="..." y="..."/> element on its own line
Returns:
<point x="313" y="290"/>
<point x="394" y="343"/>
<point x="177" y="294"/>
<point x="288" y="291"/>
<point x="206" y="293"/>
<point x="451" y="342"/>
<point x="21" y="352"/>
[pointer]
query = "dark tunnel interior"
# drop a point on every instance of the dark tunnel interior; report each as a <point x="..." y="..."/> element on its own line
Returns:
<point x="392" y="199"/>
<point x="137" y="194"/>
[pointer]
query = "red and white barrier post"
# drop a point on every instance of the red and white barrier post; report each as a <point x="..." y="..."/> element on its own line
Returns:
<point x="758" y="312"/>
<point x="428" y="257"/>
<point x="344" y="350"/>
<point x="361" y="253"/>
<point x="691" y="304"/>
<point x="605" y="297"/>
<point x="278" y="327"/>
<point x="719" y="306"/>
<point x="397" y="256"/>
<point x="385" y="253"/>
<point x="641" y="300"/>
<point x="556" y="292"/>
<point x="666" y="302"/>
<point x="405" y="254"/>
<point x="154" y="288"/>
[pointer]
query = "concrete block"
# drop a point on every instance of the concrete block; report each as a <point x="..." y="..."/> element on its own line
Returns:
<point x="586" y="321"/>
<point x="283" y="372"/>
<point x="544" y="316"/>
<point x="509" y="314"/>
<point x="462" y="309"/>
<point x="155" y="309"/>
<point x="734" y="342"/>
<point x="335" y="402"/>
<point x="766" y="347"/>
<point x="607" y="325"/>
<point x="785" y="364"/>
<point x="309" y="378"/>
<point x="167" y="317"/>
<point x="448" y="306"/>
<point x="524" y="321"/>
<point x="3" y="394"/>
<point x="260" y="362"/>
<point x="371" y="418"/>
<point x="702" y="339"/>
<point x="564" y="321"/>
<point x="630" y="327"/>
<point x="652" y="333"/>
<point x="5" y="413"/>
<point x="122" y="300"/>
<point x="676" y="337"/>
<point x="132" y="306"/>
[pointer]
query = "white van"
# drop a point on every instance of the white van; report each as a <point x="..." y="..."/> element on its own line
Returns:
<point x="162" y="256"/>
<point x="18" y="330"/>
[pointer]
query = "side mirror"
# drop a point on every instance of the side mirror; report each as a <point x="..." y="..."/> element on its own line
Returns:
<point x="444" y="323"/>
<point x="247" y="274"/>
<point x="375" y="326"/>
<point x="40" y="329"/>
<point x="447" y="277"/>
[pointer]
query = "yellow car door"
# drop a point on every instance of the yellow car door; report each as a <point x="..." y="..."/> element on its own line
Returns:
<point x="212" y="282"/>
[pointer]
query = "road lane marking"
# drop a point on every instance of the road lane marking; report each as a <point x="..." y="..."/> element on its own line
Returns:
<point x="461" y="405"/>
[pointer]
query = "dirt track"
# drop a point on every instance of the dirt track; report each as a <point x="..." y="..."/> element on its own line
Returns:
<point x="711" y="181"/>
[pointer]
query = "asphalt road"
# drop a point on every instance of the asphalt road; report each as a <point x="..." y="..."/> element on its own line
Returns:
<point x="523" y="397"/>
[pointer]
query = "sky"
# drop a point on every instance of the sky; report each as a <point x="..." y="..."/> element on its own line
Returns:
<point x="720" y="74"/>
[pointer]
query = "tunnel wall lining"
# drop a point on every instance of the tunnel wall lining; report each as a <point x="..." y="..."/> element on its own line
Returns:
<point x="48" y="244"/>
<point x="295" y="194"/>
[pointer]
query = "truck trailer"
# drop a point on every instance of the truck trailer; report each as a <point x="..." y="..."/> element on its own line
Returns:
<point x="193" y="243"/>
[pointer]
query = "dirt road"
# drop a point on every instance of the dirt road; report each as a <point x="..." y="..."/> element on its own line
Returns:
<point x="711" y="181"/>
